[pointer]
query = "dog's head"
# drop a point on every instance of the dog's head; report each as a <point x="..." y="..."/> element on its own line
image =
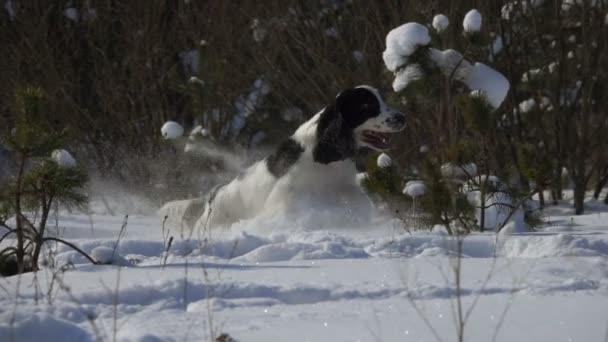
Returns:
<point x="358" y="118"/>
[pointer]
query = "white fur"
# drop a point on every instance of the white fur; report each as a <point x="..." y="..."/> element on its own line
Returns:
<point x="308" y="184"/>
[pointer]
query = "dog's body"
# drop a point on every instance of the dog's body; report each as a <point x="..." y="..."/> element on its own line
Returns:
<point x="313" y="169"/>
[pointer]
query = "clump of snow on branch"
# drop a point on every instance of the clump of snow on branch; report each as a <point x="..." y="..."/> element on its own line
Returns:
<point x="172" y="130"/>
<point x="72" y="14"/>
<point x="493" y="84"/>
<point x="361" y="176"/>
<point x="472" y="21"/>
<point x="406" y="75"/>
<point x="384" y="161"/>
<point x="527" y="106"/>
<point x="63" y="158"/>
<point x="402" y="42"/>
<point x="405" y="40"/>
<point x="195" y="80"/>
<point x="414" y="189"/>
<point x="440" y="22"/>
<point x="478" y="76"/>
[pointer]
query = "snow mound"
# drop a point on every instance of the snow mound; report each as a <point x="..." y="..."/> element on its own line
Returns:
<point x="64" y="159"/>
<point x="108" y="256"/>
<point x="555" y="245"/>
<point x="402" y="42"/>
<point x="41" y="327"/>
<point x="172" y="130"/>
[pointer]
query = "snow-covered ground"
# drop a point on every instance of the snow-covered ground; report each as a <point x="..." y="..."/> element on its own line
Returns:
<point x="279" y="281"/>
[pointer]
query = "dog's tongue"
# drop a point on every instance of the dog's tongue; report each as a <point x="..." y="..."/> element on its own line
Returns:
<point x="378" y="139"/>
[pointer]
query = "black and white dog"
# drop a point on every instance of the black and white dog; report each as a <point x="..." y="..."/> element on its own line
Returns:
<point x="314" y="168"/>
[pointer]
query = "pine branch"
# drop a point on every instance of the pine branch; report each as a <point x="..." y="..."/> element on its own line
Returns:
<point x="50" y="238"/>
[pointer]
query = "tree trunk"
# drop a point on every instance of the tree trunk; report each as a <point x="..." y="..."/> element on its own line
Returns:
<point x="46" y="208"/>
<point x="579" y="194"/>
<point x="556" y="187"/>
<point x="541" y="196"/>
<point x="19" y="218"/>
<point x="600" y="186"/>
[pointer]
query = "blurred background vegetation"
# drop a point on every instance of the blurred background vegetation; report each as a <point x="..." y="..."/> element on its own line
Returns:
<point x="250" y="72"/>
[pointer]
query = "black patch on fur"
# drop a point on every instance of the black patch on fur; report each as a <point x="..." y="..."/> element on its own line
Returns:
<point x="284" y="157"/>
<point x="335" y="138"/>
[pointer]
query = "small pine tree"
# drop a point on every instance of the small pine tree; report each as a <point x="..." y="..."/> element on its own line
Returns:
<point x="39" y="183"/>
<point x="462" y="100"/>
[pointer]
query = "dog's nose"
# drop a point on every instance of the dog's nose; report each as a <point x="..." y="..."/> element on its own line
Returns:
<point x="397" y="120"/>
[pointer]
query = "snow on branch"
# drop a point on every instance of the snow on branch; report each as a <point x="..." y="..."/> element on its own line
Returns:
<point x="404" y="41"/>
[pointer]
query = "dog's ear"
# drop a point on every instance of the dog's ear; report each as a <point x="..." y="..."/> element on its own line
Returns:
<point x="345" y="101"/>
<point x="334" y="140"/>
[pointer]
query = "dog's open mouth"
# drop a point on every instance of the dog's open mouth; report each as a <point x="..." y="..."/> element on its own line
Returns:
<point x="378" y="140"/>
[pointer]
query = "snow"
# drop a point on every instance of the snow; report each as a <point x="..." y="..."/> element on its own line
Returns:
<point x="172" y="130"/>
<point x="440" y="22"/>
<point x="531" y="74"/>
<point x="190" y="61"/>
<point x="72" y="14"/>
<point x="496" y="205"/>
<point x="63" y="158"/>
<point x="361" y="176"/>
<point x="384" y="161"/>
<point x="472" y="21"/>
<point x="527" y="106"/>
<point x="105" y="256"/>
<point x="260" y="282"/>
<point x="10" y="9"/>
<point x="403" y="42"/>
<point x="450" y="62"/>
<point x="497" y="45"/>
<point x="478" y="76"/>
<point x="359" y="56"/>
<point x="414" y="188"/>
<point x="405" y="76"/>
<point x="452" y="170"/>
<point x="493" y="84"/>
<point x="196" y="80"/>
<point x="553" y="67"/>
